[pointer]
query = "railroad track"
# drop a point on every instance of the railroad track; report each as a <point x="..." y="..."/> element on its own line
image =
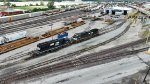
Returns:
<point x="13" y="29"/>
<point x="25" y="41"/>
<point x="19" y="22"/>
<point x="102" y="31"/>
<point x="78" y="63"/>
<point x="24" y="56"/>
<point x="28" y="20"/>
<point x="92" y="58"/>
<point x="43" y="63"/>
<point x="43" y="20"/>
<point x="36" y="23"/>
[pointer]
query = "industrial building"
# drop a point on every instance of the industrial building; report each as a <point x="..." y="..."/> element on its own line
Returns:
<point x="117" y="10"/>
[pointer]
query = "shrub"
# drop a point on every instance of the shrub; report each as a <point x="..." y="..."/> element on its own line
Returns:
<point x="42" y="3"/>
<point x="13" y="5"/>
<point x="30" y="4"/>
<point x="37" y="4"/>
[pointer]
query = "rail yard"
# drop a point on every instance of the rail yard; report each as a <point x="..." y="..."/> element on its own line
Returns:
<point x="88" y="43"/>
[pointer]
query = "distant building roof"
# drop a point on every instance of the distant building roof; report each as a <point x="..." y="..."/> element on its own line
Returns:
<point x="120" y="8"/>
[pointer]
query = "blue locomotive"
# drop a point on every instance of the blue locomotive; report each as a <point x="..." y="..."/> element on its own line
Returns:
<point x="62" y="35"/>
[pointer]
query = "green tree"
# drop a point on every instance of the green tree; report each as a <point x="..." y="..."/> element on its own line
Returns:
<point x="41" y="3"/>
<point x="37" y="4"/>
<point x="50" y="4"/>
<point x="13" y="5"/>
<point x="6" y="3"/>
<point x="62" y="6"/>
<point x="30" y="4"/>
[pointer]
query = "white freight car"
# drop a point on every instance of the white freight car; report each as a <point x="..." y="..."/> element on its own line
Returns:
<point x="35" y="14"/>
<point x="14" y="36"/>
<point x="19" y="17"/>
<point x="2" y="40"/>
<point x="5" y="19"/>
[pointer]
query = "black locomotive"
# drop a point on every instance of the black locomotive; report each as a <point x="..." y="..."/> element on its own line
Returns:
<point x="52" y="44"/>
<point x="57" y="44"/>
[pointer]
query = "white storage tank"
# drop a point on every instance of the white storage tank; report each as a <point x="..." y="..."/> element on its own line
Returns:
<point x="2" y="40"/>
<point x="15" y="35"/>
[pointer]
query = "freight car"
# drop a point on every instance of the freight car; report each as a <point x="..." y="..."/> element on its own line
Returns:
<point x="5" y="19"/>
<point x="57" y="44"/>
<point x="2" y="40"/>
<point x="25" y="16"/>
<point x="12" y="36"/>
<point x="19" y="17"/>
<point x="35" y="14"/>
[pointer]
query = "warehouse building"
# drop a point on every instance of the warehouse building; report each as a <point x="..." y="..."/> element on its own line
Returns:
<point x="117" y="10"/>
